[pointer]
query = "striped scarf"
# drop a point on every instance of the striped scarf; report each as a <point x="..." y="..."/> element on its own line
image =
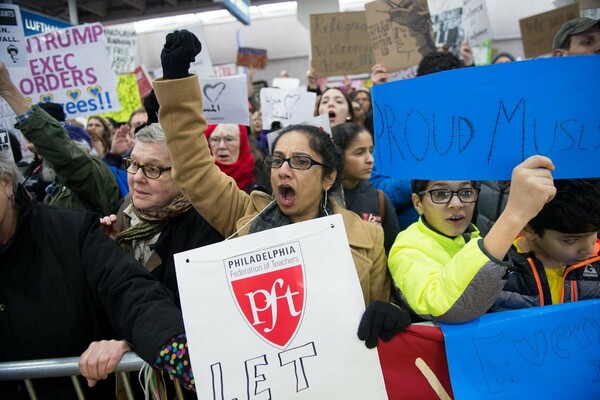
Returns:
<point x="152" y="222"/>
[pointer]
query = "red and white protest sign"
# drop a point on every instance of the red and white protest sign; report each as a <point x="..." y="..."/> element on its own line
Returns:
<point x="274" y="315"/>
<point x="69" y="66"/>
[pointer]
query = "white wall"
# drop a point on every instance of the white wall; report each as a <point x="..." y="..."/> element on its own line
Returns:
<point x="288" y="41"/>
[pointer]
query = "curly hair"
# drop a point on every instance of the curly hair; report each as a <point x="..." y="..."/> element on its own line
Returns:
<point x="320" y="142"/>
<point x="438" y="61"/>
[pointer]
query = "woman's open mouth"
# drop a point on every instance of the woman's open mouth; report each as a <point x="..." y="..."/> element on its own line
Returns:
<point x="287" y="195"/>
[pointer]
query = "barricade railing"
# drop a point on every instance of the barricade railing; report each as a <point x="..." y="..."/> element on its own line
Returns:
<point x="63" y="367"/>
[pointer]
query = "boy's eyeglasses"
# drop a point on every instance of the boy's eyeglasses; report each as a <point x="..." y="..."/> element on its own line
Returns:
<point x="444" y="196"/>
<point x="296" y="162"/>
<point x="151" y="171"/>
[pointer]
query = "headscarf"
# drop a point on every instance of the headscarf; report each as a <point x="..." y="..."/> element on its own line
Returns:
<point x="242" y="171"/>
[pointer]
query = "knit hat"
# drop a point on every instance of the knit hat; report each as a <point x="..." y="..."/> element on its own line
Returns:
<point x="572" y="27"/>
<point x="55" y="110"/>
<point x="78" y="134"/>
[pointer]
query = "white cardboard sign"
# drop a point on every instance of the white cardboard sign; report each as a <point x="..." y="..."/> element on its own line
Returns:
<point x="225" y="100"/>
<point x="274" y="315"/>
<point x="12" y="37"/>
<point x="288" y="106"/>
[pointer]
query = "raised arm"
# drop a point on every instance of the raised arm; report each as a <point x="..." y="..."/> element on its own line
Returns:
<point x="214" y="195"/>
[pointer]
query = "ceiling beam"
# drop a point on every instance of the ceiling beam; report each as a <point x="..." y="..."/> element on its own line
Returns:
<point x="137" y="4"/>
<point x="99" y="8"/>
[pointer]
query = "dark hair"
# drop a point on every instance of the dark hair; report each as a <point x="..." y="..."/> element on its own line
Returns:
<point x="503" y="54"/>
<point x="345" y="133"/>
<point x="418" y="185"/>
<point x="438" y="61"/>
<point x="107" y="134"/>
<point x="574" y="209"/>
<point x="350" y="109"/>
<point x="322" y="144"/>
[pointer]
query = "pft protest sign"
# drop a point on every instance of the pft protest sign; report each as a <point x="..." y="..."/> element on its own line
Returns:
<point x="289" y="106"/>
<point x="274" y="315"/>
<point x="69" y="66"/>
<point x="542" y="352"/>
<point x="479" y="123"/>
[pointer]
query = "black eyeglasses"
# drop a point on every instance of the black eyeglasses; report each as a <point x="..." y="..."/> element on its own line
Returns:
<point x="151" y="171"/>
<point x="296" y="162"/>
<point x="444" y="196"/>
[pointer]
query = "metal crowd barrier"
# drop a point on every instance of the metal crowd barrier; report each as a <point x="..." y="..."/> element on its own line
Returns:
<point x="61" y="367"/>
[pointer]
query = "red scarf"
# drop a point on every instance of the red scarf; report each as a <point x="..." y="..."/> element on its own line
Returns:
<point x="242" y="171"/>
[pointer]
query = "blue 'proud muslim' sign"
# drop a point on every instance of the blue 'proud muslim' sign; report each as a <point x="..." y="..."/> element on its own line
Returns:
<point x="479" y="123"/>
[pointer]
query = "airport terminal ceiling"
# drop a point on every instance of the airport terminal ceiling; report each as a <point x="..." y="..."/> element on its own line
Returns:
<point x="119" y="11"/>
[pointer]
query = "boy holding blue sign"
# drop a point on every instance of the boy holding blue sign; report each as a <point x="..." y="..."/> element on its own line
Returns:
<point x="556" y="257"/>
<point x="442" y="266"/>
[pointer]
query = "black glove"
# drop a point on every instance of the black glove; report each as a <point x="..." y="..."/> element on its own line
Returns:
<point x="180" y="50"/>
<point x="151" y="106"/>
<point x="384" y="320"/>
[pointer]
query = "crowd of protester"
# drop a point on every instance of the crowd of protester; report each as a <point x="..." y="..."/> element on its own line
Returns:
<point x="88" y="229"/>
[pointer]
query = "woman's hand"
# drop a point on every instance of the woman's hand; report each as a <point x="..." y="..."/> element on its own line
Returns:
<point x="109" y="225"/>
<point x="100" y="359"/>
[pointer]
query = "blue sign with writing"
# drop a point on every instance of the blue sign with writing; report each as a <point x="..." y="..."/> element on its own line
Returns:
<point x="550" y="352"/>
<point x="34" y="24"/>
<point x="479" y="123"/>
<point x="238" y="8"/>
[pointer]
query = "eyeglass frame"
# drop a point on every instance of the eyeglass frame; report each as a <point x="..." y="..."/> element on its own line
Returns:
<point x="452" y="193"/>
<point x="227" y="140"/>
<point x="132" y="162"/>
<point x="269" y="159"/>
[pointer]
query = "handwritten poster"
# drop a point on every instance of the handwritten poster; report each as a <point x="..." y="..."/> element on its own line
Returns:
<point x="12" y="38"/>
<point x="129" y="97"/>
<point x="285" y="83"/>
<point x="122" y="48"/>
<point x="340" y="44"/>
<point x="475" y="22"/>
<point x="538" y="352"/>
<point x="225" y="100"/>
<point x="69" y="66"/>
<point x="5" y="149"/>
<point x="288" y="106"/>
<point x="469" y="123"/>
<point x="400" y="31"/>
<point x="263" y="319"/>
<point x="250" y="57"/>
<point x="537" y="32"/>
<point x="446" y="18"/>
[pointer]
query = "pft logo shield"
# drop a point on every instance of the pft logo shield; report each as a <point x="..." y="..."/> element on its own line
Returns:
<point x="271" y="294"/>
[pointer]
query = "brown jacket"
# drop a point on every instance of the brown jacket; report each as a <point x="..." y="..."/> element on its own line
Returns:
<point x="228" y="209"/>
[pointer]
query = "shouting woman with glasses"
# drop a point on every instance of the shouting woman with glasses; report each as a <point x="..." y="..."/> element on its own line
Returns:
<point x="443" y="268"/>
<point x="305" y="165"/>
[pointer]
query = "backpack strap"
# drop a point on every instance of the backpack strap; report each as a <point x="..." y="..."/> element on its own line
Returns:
<point x="381" y="204"/>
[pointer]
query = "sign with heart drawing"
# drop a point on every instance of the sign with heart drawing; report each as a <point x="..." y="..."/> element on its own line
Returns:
<point x="288" y="106"/>
<point x="225" y="100"/>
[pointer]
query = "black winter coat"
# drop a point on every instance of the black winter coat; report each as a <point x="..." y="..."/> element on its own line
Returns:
<point x="64" y="284"/>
